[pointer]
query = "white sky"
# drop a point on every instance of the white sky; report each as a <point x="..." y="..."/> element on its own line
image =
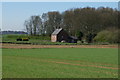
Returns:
<point x="19" y="25"/>
<point x="60" y="0"/>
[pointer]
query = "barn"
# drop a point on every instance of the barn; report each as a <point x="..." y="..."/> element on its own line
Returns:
<point x="60" y="35"/>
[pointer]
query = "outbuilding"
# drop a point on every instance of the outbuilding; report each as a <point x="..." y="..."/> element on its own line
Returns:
<point x="73" y="39"/>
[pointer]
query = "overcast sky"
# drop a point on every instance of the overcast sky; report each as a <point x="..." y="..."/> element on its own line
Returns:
<point x="15" y="13"/>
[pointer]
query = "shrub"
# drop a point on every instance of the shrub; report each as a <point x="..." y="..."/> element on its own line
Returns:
<point x="110" y="36"/>
<point x="90" y="37"/>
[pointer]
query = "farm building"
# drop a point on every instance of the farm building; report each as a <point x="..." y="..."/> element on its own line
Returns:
<point x="72" y="39"/>
<point x="60" y="35"/>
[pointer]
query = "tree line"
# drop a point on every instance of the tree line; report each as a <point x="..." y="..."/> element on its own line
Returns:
<point x="84" y="23"/>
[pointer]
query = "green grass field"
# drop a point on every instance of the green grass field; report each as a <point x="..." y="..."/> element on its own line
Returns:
<point x="60" y="63"/>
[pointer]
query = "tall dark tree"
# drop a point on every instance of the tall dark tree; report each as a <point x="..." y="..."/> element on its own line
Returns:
<point x="54" y="21"/>
<point x="68" y="21"/>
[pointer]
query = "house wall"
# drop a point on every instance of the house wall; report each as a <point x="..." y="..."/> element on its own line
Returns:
<point x="62" y="36"/>
<point x="53" y="38"/>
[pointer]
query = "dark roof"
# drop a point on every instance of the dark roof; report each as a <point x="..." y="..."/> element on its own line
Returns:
<point x="56" y="31"/>
<point x="72" y="37"/>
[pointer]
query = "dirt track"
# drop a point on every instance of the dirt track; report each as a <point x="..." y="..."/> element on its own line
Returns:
<point x="56" y="46"/>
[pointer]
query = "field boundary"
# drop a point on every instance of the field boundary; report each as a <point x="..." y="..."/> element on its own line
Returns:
<point x="29" y="46"/>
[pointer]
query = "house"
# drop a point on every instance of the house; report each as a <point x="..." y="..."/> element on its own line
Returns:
<point x="60" y="35"/>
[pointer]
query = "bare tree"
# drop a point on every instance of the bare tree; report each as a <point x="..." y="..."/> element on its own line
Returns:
<point x="44" y="22"/>
<point x="34" y="25"/>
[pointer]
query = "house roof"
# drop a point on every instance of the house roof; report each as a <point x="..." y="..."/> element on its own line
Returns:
<point x="56" y="31"/>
